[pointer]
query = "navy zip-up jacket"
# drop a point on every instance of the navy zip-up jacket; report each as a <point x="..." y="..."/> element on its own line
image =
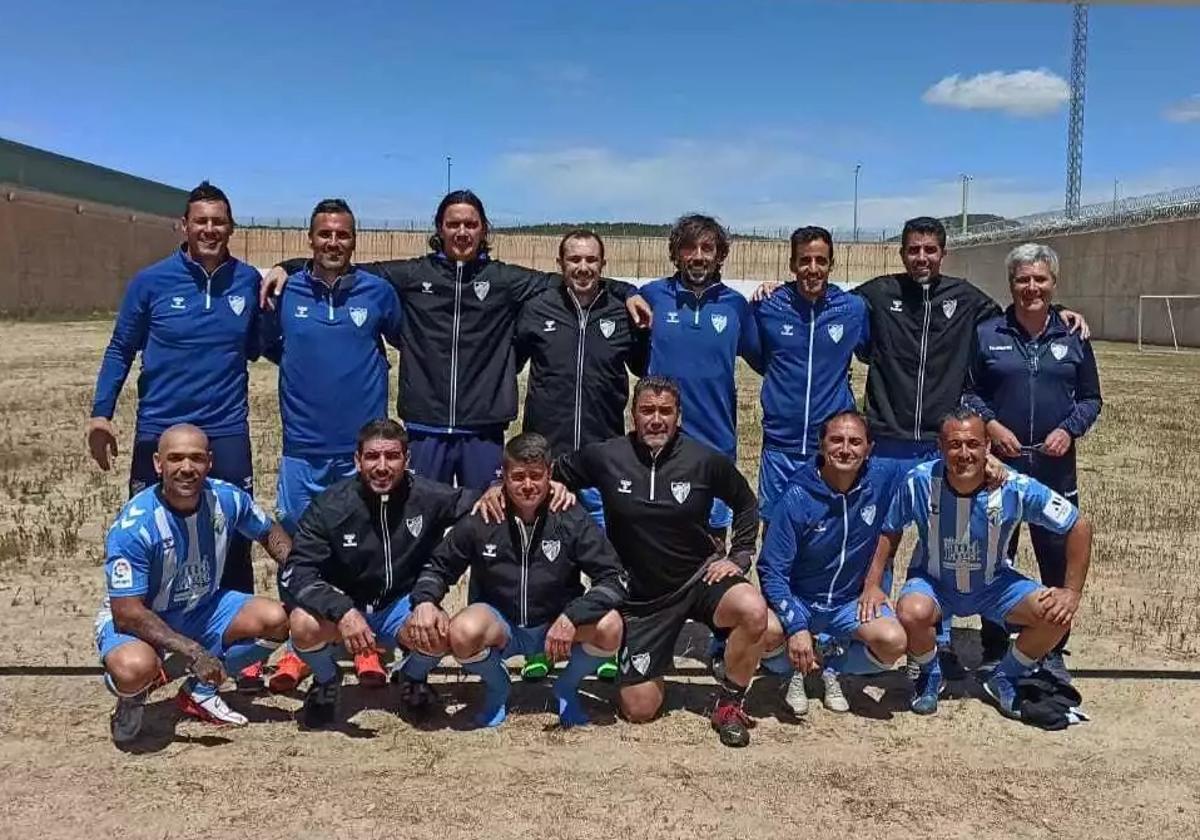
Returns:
<point x="820" y="544"/>
<point x="695" y="340"/>
<point x="806" y="351"/>
<point x="195" y="332"/>
<point x="1035" y="385"/>
<point x="328" y="343"/>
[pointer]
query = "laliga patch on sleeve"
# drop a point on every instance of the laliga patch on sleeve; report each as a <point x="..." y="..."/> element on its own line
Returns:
<point x="1057" y="509"/>
<point x="121" y="575"/>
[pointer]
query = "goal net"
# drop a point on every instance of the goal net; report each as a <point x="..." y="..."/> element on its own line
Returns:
<point x="1168" y="322"/>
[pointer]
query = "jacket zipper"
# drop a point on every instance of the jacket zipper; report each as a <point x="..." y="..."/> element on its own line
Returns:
<point x="921" y="365"/>
<point x="207" y="291"/>
<point x="842" y="558"/>
<point x="583" y="314"/>
<point x="1033" y="372"/>
<point x="812" y="329"/>
<point x="386" y="537"/>
<point x="458" y="275"/>
<point x="653" y="466"/>
<point x="329" y="302"/>
<point x="525" y="542"/>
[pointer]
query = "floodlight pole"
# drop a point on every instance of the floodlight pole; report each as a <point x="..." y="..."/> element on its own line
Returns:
<point x="857" y="169"/>
<point x="447" y="174"/>
<point x="966" y="179"/>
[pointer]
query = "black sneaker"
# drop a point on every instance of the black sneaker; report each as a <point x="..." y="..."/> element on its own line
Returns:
<point x="1057" y="666"/>
<point x="732" y="723"/>
<point x="417" y="697"/>
<point x="952" y="669"/>
<point x="320" y="704"/>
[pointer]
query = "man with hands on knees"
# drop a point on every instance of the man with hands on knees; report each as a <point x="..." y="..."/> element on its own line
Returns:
<point x="358" y="549"/>
<point x="526" y="595"/>
<point x="962" y="564"/>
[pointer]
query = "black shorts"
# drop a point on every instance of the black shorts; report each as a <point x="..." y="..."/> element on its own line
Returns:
<point x="648" y="651"/>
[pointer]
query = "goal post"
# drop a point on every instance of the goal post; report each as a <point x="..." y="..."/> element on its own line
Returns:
<point x="1166" y="305"/>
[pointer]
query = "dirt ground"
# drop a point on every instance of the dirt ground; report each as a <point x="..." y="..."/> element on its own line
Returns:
<point x="965" y="772"/>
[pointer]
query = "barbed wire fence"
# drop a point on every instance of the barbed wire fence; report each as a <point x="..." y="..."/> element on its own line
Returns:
<point x="1181" y="203"/>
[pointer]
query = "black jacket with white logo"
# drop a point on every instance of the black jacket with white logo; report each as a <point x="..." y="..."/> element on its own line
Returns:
<point x="457" y="363"/>
<point x="355" y="548"/>
<point x="529" y="573"/>
<point x="578" y="384"/>
<point x="921" y="339"/>
<point x="656" y="507"/>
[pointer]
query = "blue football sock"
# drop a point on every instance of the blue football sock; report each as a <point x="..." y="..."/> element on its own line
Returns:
<point x="416" y="665"/>
<point x="198" y="688"/>
<point x="943" y="633"/>
<point x="495" y="687"/>
<point x="1015" y="664"/>
<point x="320" y="662"/>
<point x="778" y="662"/>
<point x="584" y="660"/>
<point x="245" y="652"/>
<point x="928" y="662"/>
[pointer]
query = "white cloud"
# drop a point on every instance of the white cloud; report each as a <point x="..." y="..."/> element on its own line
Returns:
<point x="1185" y="110"/>
<point x="1023" y="93"/>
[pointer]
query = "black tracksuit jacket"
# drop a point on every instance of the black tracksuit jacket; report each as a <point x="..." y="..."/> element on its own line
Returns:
<point x="578" y="360"/>
<point x="656" y="507"/>
<point x="354" y="548"/>
<point x="457" y="362"/>
<point x="920" y="351"/>
<point x="529" y="573"/>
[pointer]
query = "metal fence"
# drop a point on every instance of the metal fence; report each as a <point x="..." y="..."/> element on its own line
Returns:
<point x="1182" y="203"/>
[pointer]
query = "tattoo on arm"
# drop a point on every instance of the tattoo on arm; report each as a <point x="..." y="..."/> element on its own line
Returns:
<point x="277" y="543"/>
<point x="136" y="620"/>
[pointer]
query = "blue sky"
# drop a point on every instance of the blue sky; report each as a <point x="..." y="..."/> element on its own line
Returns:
<point x="626" y="109"/>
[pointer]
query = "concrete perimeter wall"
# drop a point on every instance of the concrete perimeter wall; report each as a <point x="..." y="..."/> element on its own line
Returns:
<point x="1102" y="274"/>
<point x="61" y="256"/>
<point x="633" y="257"/>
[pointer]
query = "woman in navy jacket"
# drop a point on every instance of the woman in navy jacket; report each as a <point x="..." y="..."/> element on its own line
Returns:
<point x="1037" y="386"/>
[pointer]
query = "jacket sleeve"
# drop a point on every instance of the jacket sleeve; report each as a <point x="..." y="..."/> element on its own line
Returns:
<point x="577" y="469"/>
<point x="598" y="559"/>
<point x="522" y="343"/>
<point x="750" y="340"/>
<point x="458" y="506"/>
<point x="621" y="290"/>
<point x="1087" y="395"/>
<point x="639" y="351"/>
<point x="988" y="308"/>
<point x="863" y="350"/>
<point x="446" y="565"/>
<point x="775" y="564"/>
<point x="270" y="333"/>
<point x="394" y="319"/>
<point x="128" y="337"/>
<point x="292" y="265"/>
<point x="528" y="283"/>
<point x="974" y="395"/>
<point x="301" y="580"/>
<point x="731" y="487"/>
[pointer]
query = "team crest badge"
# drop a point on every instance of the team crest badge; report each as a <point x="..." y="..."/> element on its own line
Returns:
<point x="607" y="327"/>
<point x="681" y="490"/>
<point x="868" y="514"/>
<point x="719" y="322"/>
<point x="835" y="332"/>
<point x="1058" y="351"/>
<point x="414" y="525"/>
<point x="237" y="303"/>
<point x="550" y="548"/>
<point x="481" y="288"/>
<point x="358" y="314"/>
<point x="641" y="663"/>
<point x="948" y="307"/>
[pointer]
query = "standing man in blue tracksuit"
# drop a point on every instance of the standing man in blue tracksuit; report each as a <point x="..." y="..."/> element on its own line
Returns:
<point x="326" y="333"/>
<point x="193" y="317"/>
<point x="809" y="331"/>
<point x="815" y="559"/>
<point x="700" y="327"/>
<point x="1036" y="385"/>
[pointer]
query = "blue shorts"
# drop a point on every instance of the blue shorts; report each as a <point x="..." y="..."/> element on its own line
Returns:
<point x="838" y="621"/>
<point x="721" y="516"/>
<point x="387" y="621"/>
<point x="775" y="471"/>
<point x="589" y="497"/>
<point x="522" y="641"/>
<point x="301" y="479"/>
<point x="205" y="623"/>
<point x="994" y="602"/>
<point x="465" y="459"/>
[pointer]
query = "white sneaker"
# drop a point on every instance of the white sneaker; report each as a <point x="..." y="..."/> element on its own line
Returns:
<point x="835" y="700"/>
<point x="126" y="721"/>
<point x="795" y="698"/>
<point x="209" y="708"/>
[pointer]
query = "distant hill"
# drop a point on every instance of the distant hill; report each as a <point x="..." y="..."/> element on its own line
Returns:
<point x="602" y="228"/>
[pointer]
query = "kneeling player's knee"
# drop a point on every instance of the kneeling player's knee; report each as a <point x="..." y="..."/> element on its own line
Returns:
<point x="890" y="642"/>
<point x="608" y="631"/>
<point x="916" y="611"/>
<point x="640" y="706"/>
<point x="752" y="615"/>
<point x="466" y="638"/>
<point x="132" y="666"/>
<point x="774" y="636"/>
<point x="304" y="628"/>
<point x="275" y="621"/>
